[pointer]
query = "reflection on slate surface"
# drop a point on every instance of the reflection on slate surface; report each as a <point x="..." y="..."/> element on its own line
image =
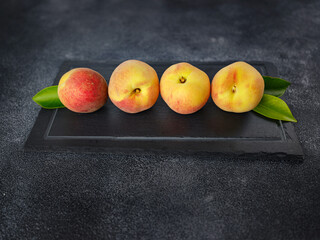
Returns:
<point x="160" y="121"/>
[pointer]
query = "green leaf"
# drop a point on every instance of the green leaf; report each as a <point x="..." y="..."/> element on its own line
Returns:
<point x="48" y="98"/>
<point x="275" y="86"/>
<point x="275" y="108"/>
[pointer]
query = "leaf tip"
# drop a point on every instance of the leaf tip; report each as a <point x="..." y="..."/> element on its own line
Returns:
<point x="35" y="99"/>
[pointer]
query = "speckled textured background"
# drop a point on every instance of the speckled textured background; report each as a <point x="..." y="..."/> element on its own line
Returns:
<point x="68" y="195"/>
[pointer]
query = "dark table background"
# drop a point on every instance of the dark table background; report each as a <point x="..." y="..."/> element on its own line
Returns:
<point x="70" y="195"/>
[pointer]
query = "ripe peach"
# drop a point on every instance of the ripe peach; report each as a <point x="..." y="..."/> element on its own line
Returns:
<point x="134" y="86"/>
<point x="237" y="88"/>
<point x="83" y="90"/>
<point x="185" y="88"/>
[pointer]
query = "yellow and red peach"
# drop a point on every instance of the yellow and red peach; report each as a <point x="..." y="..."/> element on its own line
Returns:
<point x="134" y="86"/>
<point x="237" y="88"/>
<point x="185" y="88"/>
<point x="83" y="90"/>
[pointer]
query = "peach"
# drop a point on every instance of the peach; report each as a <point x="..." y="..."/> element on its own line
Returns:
<point x="134" y="86"/>
<point x="185" y="88"/>
<point x="237" y="88"/>
<point x="82" y="90"/>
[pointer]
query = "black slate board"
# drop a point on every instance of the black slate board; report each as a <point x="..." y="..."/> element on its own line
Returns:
<point x="209" y="130"/>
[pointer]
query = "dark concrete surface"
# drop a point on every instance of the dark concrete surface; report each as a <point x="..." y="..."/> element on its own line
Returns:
<point x="70" y="195"/>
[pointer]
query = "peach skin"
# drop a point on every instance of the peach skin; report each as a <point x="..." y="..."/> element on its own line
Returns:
<point x="134" y="86"/>
<point x="185" y="88"/>
<point x="237" y="88"/>
<point x="83" y="90"/>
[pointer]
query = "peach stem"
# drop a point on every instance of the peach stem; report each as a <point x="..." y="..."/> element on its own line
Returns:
<point x="182" y="80"/>
<point x="137" y="90"/>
